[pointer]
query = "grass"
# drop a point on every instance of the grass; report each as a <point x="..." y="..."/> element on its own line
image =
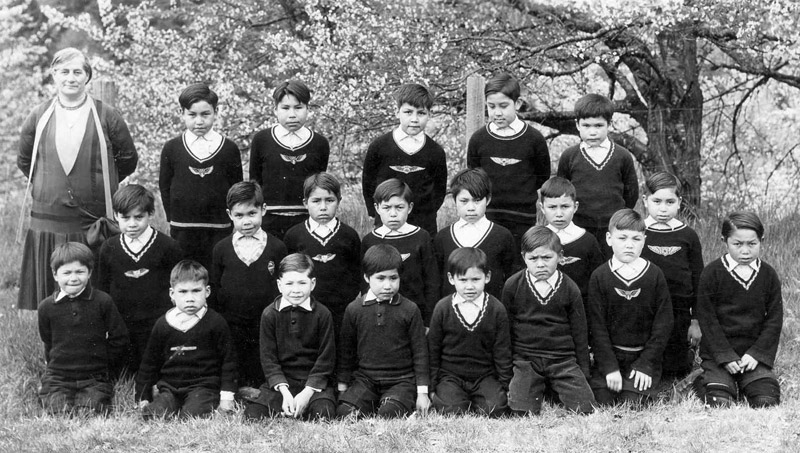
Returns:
<point x="676" y="423"/>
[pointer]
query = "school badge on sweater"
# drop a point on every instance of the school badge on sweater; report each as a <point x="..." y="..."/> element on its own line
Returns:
<point x="201" y="172"/>
<point x="406" y="168"/>
<point x="505" y="161"/>
<point x="663" y="250"/>
<point x="294" y="159"/>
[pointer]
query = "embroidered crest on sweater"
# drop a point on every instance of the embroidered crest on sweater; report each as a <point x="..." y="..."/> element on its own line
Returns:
<point x="505" y="161"/>
<point x="406" y="168"/>
<point x="201" y="172"/>
<point x="137" y="273"/>
<point x="324" y="258"/>
<point x="628" y="294"/>
<point x="602" y="164"/>
<point x="271" y="267"/>
<point x="294" y="159"/>
<point x="664" y="250"/>
<point x="568" y="260"/>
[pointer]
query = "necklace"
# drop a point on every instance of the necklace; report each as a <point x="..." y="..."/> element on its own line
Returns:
<point x="72" y="107"/>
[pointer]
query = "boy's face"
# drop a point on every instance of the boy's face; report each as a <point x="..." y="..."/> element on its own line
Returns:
<point x="384" y="284"/>
<point x="662" y="205"/>
<point x="743" y="245"/>
<point x="199" y="118"/>
<point x="541" y="262"/>
<point x="134" y="222"/>
<point x="246" y="217"/>
<point x="470" y="285"/>
<point x="189" y="296"/>
<point x="394" y="212"/>
<point x="470" y="209"/>
<point x="626" y="244"/>
<point x="559" y="211"/>
<point x="502" y="109"/>
<point x="296" y="287"/>
<point x="321" y="205"/>
<point x="291" y="113"/>
<point x="594" y="131"/>
<point x="72" y="277"/>
<point x="412" y="119"/>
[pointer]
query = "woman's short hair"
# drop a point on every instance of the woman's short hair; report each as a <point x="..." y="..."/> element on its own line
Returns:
<point x="68" y="54"/>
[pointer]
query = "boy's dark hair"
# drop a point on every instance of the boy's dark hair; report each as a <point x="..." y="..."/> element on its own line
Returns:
<point x="188" y="271"/>
<point x="473" y="180"/>
<point x="594" y="106"/>
<point x="415" y="95"/>
<point x="503" y="83"/>
<point x="742" y="220"/>
<point x="296" y="262"/>
<point x="540" y="236"/>
<point x="133" y="196"/>
<point x="197" y="92"/>
<point x="294" y="87"/>
<point x="381" y="257"/>
<point x="392" y="188"/>
<point x="247" y="192"/>
<point x="464" y="259"/>
<point x="324" y="181"/>
<point x="663" y="180"/>
<point x="626" y="219"/>
<point x="69" y="252"/>
<point x="557" y="187"/>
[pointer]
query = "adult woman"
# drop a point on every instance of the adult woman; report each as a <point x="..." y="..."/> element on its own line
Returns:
<point x="65" y="170"/>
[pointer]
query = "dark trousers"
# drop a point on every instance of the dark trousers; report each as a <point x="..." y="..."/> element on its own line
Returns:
<point x="600" y="234"/>
<point x="677" y="360"/>
<point x="717" y="387"/>
<point x="629" y="393"/>
<point x="139" y="333"/>
<point x="388" y="399"/>
<point x="60" y="394"/>
<point x="245" y="341"/>
<point x="454" y="395"/>
<point x="278" y="225"/>
<point x="527" y="388"/>
<point x="322" y="405"/>
<point x="184" y="402"/>
<point x="198" y="243"/>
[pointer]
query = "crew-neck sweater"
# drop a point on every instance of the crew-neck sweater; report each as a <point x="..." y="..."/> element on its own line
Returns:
<point x="679" y="255"/>
<point x="579" y="259"/>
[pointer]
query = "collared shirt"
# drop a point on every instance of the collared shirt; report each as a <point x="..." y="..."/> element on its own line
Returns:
<point x="322" y="230"/>
<point x="545" y="287"/>
<point x="184" y="321"/>
<point x="203" y="146"/>
<point x="569" y="234"/>
<point x="285" y="304"/>
<point x="469" y="234"/>
<point x="291" y="139"/>
<point x="597" y="153"/>
<point x="249" y="248"/>
<point x="61" y="295"/>
<point x="628" y="270"/>
<point x="745" y="271"/>
<point x="410" y="144"/>
<point x="136" y="245"/>
<point x="670" y="225"/>
<point x="384" y="231"/>
<point x="470" y="310"/>
<point x="514" y="128"/>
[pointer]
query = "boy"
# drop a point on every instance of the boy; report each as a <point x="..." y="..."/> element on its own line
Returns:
<point x="134" y="267"/>
<point x="190" y="356"/>
<point x="334" y="246"/>
<point x="384" y="358"/>
<point x="297" y="349"/>
<point x="514" y="155"/>
<point x="550" y="339"/>
<point x="581" y="253"/>
<point x="419" y="277"/>
<point x="469" y="342"/>
<point x="602" y="171"/>
<point x="84" y="336"/>
<point x="472" y="192"/>
<point x="197" y="169"/>
<point x="409" y="155"/>
<point x="283" y="156"/>
<point x="243" y="276"/>
<point x="630" y="316"/>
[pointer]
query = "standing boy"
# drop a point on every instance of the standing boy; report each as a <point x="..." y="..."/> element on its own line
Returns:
<point x="334" y="246"/>
<point x="243" y="276"/>
<point x="601" y="171"/>
<point x="384" y="357"/>
<point x="190" y="356"/>
<point x="419" y="276"/>
<point x="298" y="353"/>
<point x="514" y="155"/>
<point x="630" y="318"/>
<point x="549" y="335"/>
<point x="469" y="342"/>
<point x="134" y="267"/>
<point x="409" y="155"/>
<point x="197" y="169"/>
<point x="283" y="156"/>
<point x="84" y="336"/>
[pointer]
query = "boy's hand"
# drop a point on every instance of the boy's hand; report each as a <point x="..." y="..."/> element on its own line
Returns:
<point x="423" y="403"/>
<point x="288" y="401"/>
<point x="641" y="381"/>
<point x="694" y="335"/>
<point x="226" y="405"/>
<point x="301" y="401"/>
<point x="341" y="387"/>
<point x="733" y="367"/>
<point x="614" y="381"/>
<point x="748" y="363"/>
<point x="143" y="403"/>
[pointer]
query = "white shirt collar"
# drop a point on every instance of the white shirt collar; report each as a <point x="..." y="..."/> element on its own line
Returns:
<point x="400" y="136"/>
<point x="260" y="235"/>
<point x="672" y="223"/>
<point x="143" y="238"/>
<point x="605" y="144"/>
<point x="331" y="225"/>
<point x="551" y="280"/>
<point x="282" y="133"/>
<point x="637" y="265"/>
<point x="61" y="294"/>
<point x="478" y="302"/>
<point x="183" y="321"/>
<point x="569" y="234"/>
<point x="730" y="263"/>
<point x="481" y="224"/>
<point x="514" y="128"/>
<point x="284" y="304"/>
<point x="210" y="136"/>
<point x="384" y="231"/>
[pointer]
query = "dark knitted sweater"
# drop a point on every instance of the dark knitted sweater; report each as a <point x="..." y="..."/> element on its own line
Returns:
<point x="425" y="172"/>
<point x="83" y="336"/>
<point x="138" y="282"/>
<point x="298" y="345"/>
<point x="580" y="258"/>
<point x="738" y="317"/>
<point x="203" y="356"/>
<point x="679" y="255"/>
<point x="470" y="351"/>
<point x="554" y="327"/>
<point x="517" y="165"/>
<point x="602" y="189"/>
<point x="384" y="341"/>
<point x="629" y="313"/>
<point x="240" y="292"/>
<point x="194" y="191"/>
<point x="281" y="170"/>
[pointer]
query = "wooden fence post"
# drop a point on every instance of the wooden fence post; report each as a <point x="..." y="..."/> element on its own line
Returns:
<point x="105" y="90"/>
<point x="476" y="111"/>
